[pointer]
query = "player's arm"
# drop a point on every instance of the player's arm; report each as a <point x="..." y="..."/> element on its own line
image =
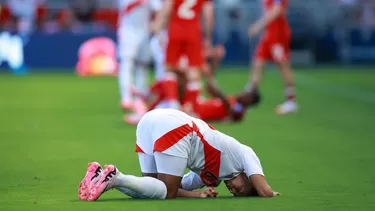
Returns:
<point x="215" y="91"/>
<point x="262" y="188"/>
<point x="208" y="14"/>
<point x="276" y="11"/>
<point x="191" y="181"/>
<point x="173" y="184"/>
<point x="254" y="171"/>
<point x="162" y="16"/>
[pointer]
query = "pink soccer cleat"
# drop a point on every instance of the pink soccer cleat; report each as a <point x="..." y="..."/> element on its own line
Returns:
<point x="126" y="104"/>
<point x="133" y="118"/>
<point x="93" y="174"/>
<point x="139" y="106"/>
<point x="105" y="183"/>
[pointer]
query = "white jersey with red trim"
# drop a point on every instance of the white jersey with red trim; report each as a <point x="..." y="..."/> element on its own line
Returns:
<point x="136" y="14"/>
<point x="211" y="154"/>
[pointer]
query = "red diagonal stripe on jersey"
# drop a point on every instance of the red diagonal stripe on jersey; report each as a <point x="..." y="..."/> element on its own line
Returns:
<point x="132" y="6"/>
<point x="138" y="149"/>
<point x="212" y="127"/>
<point x="171" y="138"/>
<point x="212" y="159"/>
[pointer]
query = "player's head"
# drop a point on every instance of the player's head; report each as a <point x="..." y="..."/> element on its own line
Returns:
<point x="249" y="98"/>
<point x="240" y="185"/>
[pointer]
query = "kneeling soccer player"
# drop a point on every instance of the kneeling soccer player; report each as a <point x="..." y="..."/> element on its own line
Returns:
<point x="168" y="142"/>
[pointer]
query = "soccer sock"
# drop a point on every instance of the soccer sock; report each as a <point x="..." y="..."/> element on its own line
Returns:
<point x="290" y="93"/>
<point x="131" y="193"/>
<point x="159" y="67"/>
<point x="170" y="90"/>
<point x="141" y="78"/>
<point x="158" y="55"/>
<point x="193" y="91"/>
<point x="125" y="78"/>
<point x="147" y="187"/>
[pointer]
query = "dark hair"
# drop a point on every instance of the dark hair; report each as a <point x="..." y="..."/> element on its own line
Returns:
<point x="256" y="98"/>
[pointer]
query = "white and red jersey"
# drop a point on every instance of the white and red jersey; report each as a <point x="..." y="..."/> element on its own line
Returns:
<point x="210" y="154"/>
<point x="136" y="14"/>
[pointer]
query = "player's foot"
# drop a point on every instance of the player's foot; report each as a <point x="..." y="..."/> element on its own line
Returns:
<point x="287" y="107"/>
<point x="139" y="106"/>
<point x="93" y="174"/>
<point x="133" y="118"/>
<point x="105" y="183"/>
<point x="126" y="104"/>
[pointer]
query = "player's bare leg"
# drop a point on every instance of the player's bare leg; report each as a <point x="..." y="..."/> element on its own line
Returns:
<point x="256" y="73"/>
<point x="290" y="105"/>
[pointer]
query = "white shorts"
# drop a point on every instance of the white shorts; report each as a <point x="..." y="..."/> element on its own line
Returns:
<point x="164" y="134"/>
<point x="162" y="164"/>
<point x="134" y="46"/>
<point x="168" y="131"/>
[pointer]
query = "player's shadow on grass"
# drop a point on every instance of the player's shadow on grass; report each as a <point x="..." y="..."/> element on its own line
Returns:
<point x="137" y="200"/>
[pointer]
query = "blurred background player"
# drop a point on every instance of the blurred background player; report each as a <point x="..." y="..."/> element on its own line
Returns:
<point x="158" y="97"/>
<point x="219" y="106"/>
<point x="274" y="46"/>
<point x="158" y="45"/>
<point x="133" y="37"/>
<point x="183" y="18"/>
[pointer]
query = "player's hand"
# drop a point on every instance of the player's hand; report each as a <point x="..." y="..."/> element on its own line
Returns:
<point x="254" y="30"/>
<point x="208" y="192"/>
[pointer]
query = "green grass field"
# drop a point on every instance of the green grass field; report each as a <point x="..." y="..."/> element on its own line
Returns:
<point x="52" y="125"/>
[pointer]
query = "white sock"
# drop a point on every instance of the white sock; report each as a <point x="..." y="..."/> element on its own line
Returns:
<point x="141" y="75"/>
<point x="131" y="193"/>
<point x="148" y="187"/>
<point x="158" y="55"/>
<point x="174" y="104"/>
<point x="159" y="66"/>
<point x="125" y="78"/>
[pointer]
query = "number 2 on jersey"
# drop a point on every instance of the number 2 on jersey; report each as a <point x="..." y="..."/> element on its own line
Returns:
<point x="185" y="10"/>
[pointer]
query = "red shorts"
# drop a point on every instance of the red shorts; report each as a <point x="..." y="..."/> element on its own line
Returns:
<point x="190" y="48"/>
<point x="273" y="50"/>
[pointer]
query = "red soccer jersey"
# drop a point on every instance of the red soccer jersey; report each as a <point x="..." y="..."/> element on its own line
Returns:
<point x="279" y="28"/>
<point x="186" y="17"/>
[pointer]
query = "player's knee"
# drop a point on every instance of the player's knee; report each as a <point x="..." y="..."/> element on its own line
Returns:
<point x="258" y="65"/>
<point x="193" y="74"/>
<point x="284" y="66"/>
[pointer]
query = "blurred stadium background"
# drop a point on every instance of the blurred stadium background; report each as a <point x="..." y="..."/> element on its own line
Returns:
<point x="341" y="32"/>
<point x="52" y="122"/>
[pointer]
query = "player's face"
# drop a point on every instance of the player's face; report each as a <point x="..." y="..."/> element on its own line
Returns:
<point x="239" y="186"/>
